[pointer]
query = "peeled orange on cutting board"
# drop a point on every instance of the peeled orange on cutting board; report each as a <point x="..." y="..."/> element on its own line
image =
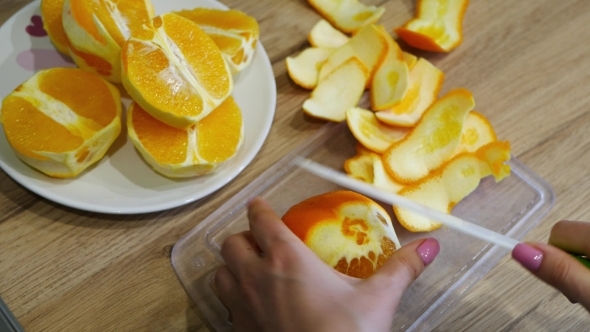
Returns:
<point x="61" y="121"/>
<point x="175" y="72"/>
<point x="348" y="231"/>
<point x="234" y="32"/>
<point x="96" y="31"/>
<point x="188" y="152"/>
<point x="51" y="12"/>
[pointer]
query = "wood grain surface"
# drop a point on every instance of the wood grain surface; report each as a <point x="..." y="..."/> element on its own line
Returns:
<point x="528" y="66"/>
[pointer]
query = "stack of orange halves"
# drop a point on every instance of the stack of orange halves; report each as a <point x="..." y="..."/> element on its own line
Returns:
<point x="177" y="67"/>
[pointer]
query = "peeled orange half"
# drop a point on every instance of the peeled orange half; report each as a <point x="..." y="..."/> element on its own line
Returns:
<point x="175" y="72"/>
<point x="235" y="33"/>
<point x="195" y="151"/>
<point x="348" y="231"/>
<point x="97" y="29"/>
<point x="61" y="121"/>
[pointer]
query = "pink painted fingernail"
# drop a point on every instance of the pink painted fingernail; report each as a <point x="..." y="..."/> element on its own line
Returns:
<point x="428" y="250"/>
<point x="528" y="256"/>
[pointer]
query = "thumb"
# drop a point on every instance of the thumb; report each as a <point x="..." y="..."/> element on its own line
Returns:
<point x="557" y="268"/>
<point x="405" y="265"/>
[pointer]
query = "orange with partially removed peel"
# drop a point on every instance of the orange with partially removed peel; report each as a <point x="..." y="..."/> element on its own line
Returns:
<point x="234" y="32"/>
<point x="175" y="71"/>
<point x="96" y="30"/>
<point x="61" y="120"/>
<point x="195" y="151"/>
<point x="348" y="231"/>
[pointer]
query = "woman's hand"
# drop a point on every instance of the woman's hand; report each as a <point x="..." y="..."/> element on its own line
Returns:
<point x="274" y="282"/>
<point x="553" y="265"/>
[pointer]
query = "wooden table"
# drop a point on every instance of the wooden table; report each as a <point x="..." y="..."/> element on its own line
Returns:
<point x="528" y="65"/>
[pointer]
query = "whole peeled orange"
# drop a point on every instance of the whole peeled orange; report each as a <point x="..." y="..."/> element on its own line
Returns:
<point x="348" y="231"/>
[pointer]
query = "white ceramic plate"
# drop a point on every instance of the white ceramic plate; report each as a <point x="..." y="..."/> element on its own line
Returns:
<point x="123" y="182"/>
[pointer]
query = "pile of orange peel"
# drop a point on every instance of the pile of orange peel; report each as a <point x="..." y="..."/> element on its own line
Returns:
<point x="433" y="150"/>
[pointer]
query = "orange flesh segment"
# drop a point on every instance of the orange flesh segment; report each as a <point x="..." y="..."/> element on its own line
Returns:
<point x="167" y="144"/>
<point x="136" y="14"/>
<point x="234" y="32"/>
<point x="220" y="132"/>
<point x="358" y="230"/>
<point x="101" y="66"/>
<point x="51" y="10"/>
<point x="133" y="15"/>
<point x="83" y="93"/>
<point x="28" y="136"/>
<point x="432" y="141"/>
<point x="437" y="26"/>
<point x="214" y="79"/>
<point x="455" y="180"/>
<point x="149" y="66"/>
<point x="211" y="141"/>
<point x="83" y="12"/>
<point x="425" y="81"/>
<point x="222" y="19"/>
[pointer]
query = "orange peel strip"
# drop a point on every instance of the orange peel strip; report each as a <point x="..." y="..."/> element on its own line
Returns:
<point x="432" y="141"/>
<point x="391" y="79"/>
<point x="448" y="185"/>
<point x="437" y="26"/>
<point x="382" y="179"/>
<point x="410" y="59"/>
<point x="304" y="68"/>
<point x="425" y="82"/>
<point x="370" y="132"/>
<point x="368" y="166"/>
<point x="348" y="16"/>
<point x="477" y="132"/>
<point x="338" y="92"/>
<point x="369" y="45"/>
<point x="360" y="167"/>
<point x="323" y="34"/>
